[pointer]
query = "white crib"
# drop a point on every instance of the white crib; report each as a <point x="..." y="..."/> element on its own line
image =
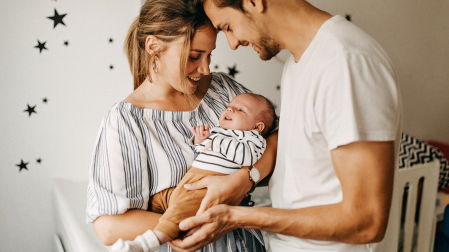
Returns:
<point x="415" y="219"/>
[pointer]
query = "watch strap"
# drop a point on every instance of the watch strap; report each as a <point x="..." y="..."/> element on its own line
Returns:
<point x="251" y="179"/>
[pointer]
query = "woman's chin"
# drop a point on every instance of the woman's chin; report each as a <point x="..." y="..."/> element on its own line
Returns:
<point x="193" y="85"/>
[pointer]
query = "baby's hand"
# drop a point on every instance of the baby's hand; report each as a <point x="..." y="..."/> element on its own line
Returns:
<point x="208" y="145"/>
<point x="201" y="133"/>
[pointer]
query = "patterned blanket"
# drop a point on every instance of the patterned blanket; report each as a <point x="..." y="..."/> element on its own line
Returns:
<point x="414" y="151"/>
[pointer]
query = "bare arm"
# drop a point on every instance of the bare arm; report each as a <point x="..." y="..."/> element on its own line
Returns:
<point x="365" y="170"/>
<point x="109" y="228"/>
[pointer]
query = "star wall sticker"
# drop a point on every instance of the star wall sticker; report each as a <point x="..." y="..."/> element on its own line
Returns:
<point x="278" y="87"/>
<point x="216" y="66"/>
<point x="30" y="110"/>
<point x="111" y="67"/>
<point x="45" y="100"/>
<point x="22" y="165"/>
<point x="57" y="19"/>
<point x="66" y="43"/>
<point x="39" y="160"/>
<point x="41" y="46"/>
<point x="348" y="17"/>
<point x="233" y="71"/>
<point x="111" y="40"/>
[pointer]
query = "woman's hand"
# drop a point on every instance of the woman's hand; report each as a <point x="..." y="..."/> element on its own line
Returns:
<point x="204" y="229"/>
<point x="227" y="189"/>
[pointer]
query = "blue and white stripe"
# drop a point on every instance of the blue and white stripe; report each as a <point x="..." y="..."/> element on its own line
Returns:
<point x="140" y="152"/>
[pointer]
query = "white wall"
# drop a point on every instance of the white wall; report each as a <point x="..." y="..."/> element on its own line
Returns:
<point x="415" y="34"/>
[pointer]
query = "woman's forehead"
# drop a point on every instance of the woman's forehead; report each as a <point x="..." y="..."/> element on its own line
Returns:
<point x="204" y="39"/>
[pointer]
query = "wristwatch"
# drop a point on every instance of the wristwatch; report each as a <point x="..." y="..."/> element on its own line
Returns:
<point x="254" y="176"/>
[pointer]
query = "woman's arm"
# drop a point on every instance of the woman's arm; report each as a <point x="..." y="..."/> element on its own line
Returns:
<point x="127" y="226"/>
<point x="231" y="189"/>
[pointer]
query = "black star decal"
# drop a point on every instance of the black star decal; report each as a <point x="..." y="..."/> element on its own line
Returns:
<point x="216" y="66"/>
<point x="278" y="87"/>
<point x="66" y="43"/>
<point x="41" y="46"/>
<point x="233" y="71"/>
<point x="22" y="165"/>
<point x="45" y="100"/>
<point x="111" y="40"/>
<point x="111" y="67"/>
<point x="57" y="19"/>
<point x="30" y="110"/>
<point x="348" y="17"/>
<point x="39" y="160"/>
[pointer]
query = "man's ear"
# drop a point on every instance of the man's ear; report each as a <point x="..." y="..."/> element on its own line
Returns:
<point x="260" y="126"/>
<point x="252" y="6"/>
<point x="152" y="44"/>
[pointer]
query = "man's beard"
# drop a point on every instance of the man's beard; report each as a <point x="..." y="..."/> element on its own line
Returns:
<point x="268" y="46"/>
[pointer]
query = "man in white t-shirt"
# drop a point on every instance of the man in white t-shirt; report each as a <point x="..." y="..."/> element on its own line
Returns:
<point x="339" y="131"/>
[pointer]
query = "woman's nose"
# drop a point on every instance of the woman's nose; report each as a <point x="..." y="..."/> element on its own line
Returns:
<point x="204" y="67"/>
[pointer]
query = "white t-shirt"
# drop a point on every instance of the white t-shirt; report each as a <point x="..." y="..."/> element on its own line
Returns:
<point x="342" y="90"/>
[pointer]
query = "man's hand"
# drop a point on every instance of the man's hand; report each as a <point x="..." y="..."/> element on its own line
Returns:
<point x="201" y="133"/>
<point x="205" y="228"/>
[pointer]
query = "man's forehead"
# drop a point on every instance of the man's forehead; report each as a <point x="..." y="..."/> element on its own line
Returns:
<point x="214" y="13"/>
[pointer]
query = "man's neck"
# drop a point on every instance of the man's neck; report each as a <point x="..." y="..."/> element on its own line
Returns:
<point x="294" y="24"/>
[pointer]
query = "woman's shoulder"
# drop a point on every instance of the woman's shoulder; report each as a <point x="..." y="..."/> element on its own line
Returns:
<point x="119" y="110"/>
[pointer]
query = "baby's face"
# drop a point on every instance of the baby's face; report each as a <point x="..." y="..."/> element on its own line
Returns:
<point x="242" y="113"/>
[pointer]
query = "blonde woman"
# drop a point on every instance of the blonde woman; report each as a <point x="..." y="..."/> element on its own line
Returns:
<point x="143" y="144"/>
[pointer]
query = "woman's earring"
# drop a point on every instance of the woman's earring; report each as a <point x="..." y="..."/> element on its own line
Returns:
<point x="155" y="63"/>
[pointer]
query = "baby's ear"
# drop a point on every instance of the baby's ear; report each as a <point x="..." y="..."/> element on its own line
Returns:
<point x="260" y="126"/>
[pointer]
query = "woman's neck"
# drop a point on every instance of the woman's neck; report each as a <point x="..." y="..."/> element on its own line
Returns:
<point x="164" y="97"/>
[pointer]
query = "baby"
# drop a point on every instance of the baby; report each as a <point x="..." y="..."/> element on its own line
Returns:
<point x="238" y="142"/>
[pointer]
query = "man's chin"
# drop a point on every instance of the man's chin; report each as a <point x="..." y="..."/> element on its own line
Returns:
<point x="266" y="56"/>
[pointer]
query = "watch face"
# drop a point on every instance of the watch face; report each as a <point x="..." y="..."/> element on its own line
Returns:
<point x="255" y="175"/>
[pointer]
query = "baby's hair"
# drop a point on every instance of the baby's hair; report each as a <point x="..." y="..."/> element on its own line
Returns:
<point x="269" y="117"/>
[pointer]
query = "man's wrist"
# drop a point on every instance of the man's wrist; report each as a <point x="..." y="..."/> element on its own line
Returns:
<point x="235" y="217"/>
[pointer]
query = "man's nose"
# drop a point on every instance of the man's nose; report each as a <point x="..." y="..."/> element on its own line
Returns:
<point x="230" y="109"/>
<point x="233" y="42"/>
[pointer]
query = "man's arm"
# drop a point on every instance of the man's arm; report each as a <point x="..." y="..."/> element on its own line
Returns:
<point x="366" y="174"/>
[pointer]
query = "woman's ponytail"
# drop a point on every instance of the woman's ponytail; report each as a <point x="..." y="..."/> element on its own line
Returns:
<point x="135" y="56"/>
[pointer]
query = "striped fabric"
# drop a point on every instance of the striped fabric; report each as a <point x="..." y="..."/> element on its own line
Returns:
<point x="230" y="150"/>
<point x="140" y="152"/>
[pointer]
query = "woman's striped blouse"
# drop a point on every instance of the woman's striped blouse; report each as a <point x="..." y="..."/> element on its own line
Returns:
<point x="140" y="152"/>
